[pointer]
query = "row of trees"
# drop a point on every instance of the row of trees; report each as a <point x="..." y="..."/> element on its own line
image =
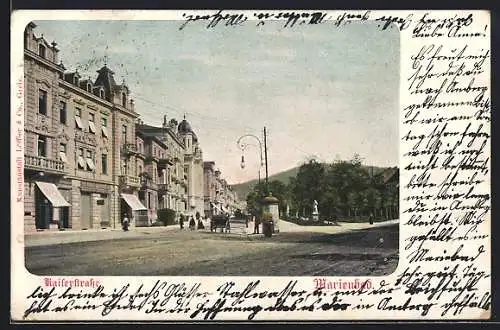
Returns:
<point x="343" y="189"/>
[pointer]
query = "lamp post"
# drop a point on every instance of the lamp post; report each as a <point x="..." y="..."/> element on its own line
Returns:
<point x="263" y="160"/>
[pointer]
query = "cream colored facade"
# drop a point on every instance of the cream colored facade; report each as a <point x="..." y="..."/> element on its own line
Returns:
<point x="181" y="168"/>
<point x="219" y="196"/>
<point x="79" y="141"/>
<point x="89" y="159"/>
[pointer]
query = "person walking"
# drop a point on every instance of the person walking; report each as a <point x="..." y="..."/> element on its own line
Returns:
<point x="125" y="222"/>
<point x="370" y="219"/>
<point x="256" y="225"/>
<point x="181" y="221"/>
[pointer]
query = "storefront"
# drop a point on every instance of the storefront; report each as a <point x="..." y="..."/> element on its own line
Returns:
<point x="51" y="209"/>
<point x="132" y="207"/>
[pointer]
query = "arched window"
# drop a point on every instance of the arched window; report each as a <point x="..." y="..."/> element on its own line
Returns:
<point x="101" y="93"/>
<point x="124" y="100"/>
<point x="89" y="88"/>
<point x="41" y="50"/>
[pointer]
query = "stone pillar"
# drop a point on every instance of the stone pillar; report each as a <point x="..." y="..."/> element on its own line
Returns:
<point x="75" y="204"/>
<point x="96" y="216"/>
<point x="114" y="202"/>
<point x="29" y="206"/>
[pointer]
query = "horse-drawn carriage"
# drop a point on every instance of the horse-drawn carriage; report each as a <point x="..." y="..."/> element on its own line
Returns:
<point x="220" y="221"/>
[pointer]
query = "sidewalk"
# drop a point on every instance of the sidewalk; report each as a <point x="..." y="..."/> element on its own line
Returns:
<point x="341" y="227"/>
<point x="74" y="236"/>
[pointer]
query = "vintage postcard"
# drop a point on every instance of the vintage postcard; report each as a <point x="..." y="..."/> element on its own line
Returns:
<point x="225" y="165"/>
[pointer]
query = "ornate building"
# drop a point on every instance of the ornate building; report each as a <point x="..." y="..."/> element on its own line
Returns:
<point x="219" y="196"/>
<point x="180" y="168"/>
<point x="80" y="148"/>
<point x="89" y="159"/>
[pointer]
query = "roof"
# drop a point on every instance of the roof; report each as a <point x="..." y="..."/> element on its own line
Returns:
<point x="185" y="128"/>
<point x="154" y="130"/>
<point x="106" y="79"/>
<point x="151" y="137"/>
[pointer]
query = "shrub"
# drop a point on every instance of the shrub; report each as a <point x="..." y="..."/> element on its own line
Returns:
<point x="166" y="216"/>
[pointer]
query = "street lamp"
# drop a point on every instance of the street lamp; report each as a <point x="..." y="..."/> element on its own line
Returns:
<point x="242" y="145"/>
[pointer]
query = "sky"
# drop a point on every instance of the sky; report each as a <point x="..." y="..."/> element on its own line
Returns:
<point x="320" y="91"/>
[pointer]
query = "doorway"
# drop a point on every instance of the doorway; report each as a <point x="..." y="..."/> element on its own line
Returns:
<point x="43" y="210"/>
<point x="86" y="211"/>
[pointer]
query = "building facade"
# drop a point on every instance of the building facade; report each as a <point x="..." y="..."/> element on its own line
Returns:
<point x="80" y="147"/>
<point x="219" y="197"/>
<point x="89" y="159"/>
<point x="180" y="169"/>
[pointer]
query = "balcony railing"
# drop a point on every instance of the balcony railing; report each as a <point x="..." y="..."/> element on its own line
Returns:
<point x="163" y="187"/>
<point x="43" y="163"/>
<point x="128" y="180"/>
<point x="149" y="185"/>
<point x="165" y="161"/>
<point x="130" y="148"/>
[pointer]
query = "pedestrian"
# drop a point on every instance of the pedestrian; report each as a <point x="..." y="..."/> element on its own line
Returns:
<point x="200" y="224"/>
<point x="192" y="224"/>
<point x="125" y="222"/>
<point x="256" y="225"/>
<point x="370" y="219"/>
<point x="181" y="221"/>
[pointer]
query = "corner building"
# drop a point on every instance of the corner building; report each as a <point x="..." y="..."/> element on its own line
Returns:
<point x="81" y="155"/>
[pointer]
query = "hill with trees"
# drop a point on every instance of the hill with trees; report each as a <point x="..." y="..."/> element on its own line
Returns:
<point x="343" y="189"/>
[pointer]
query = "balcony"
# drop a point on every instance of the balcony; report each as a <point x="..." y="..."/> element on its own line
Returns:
<point x="131" y="181"/>
<point x="163" y="187"/>
<point x="42" y="163"/>
<point x="148" y="184"/>
<point x="164" y="162"/>
<point x="129" y="149"/>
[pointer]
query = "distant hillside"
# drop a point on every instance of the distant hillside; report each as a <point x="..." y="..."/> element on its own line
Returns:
<point x="242" y="189"/>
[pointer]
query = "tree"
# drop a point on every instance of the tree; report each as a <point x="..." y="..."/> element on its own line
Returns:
<point x="308" y="185"/>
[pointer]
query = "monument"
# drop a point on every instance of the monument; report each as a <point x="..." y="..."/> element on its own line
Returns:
<point x="315" y="213"/>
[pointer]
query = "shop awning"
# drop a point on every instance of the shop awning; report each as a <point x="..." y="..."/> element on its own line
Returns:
<point x="134" y="202"/>
<point x="53" y="195"/>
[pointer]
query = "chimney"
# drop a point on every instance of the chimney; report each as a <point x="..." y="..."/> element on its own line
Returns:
<point x="55" y="52"/>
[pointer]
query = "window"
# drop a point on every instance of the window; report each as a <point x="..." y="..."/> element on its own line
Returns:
<point x="62" y="113"/>
<point x="42" y="102"/>
<point x="124" y="100"/>
<point x="104" y="126"/>
<point x="124" y="133"/>
<point x="78" y="118"/>
<point x="41" y="50"/>
<point x="42" y="146"/>
<point x="62" y="153"/>
<point x="81" y="161"/>
<point x="89" y="88"/>
<point x="91" y="123"/>
<point x="101" y="93"/>
<point x="90" y="161"/>
<point x="104" y="164"/>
